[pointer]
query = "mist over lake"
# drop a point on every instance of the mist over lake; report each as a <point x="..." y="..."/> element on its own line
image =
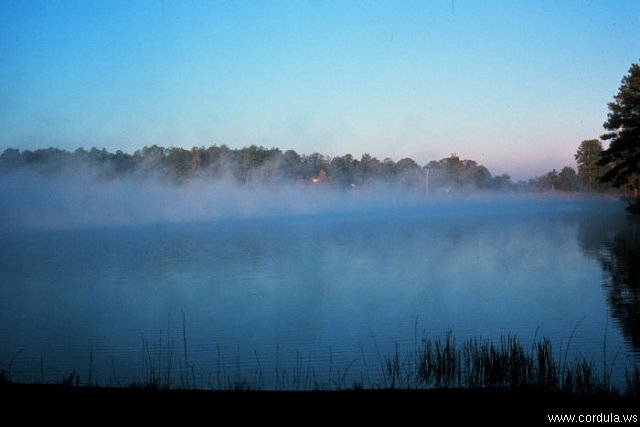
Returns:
<point x="433" y="198"/>
<point x="323" y="280"/>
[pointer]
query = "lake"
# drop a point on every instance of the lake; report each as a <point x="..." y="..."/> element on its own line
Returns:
<point x="294" y="301"/>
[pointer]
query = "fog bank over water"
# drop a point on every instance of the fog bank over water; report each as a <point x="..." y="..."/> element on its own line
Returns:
<point x="270" y="269"/>
<point x="318" y="287"/>
<point x="79" y="199"/>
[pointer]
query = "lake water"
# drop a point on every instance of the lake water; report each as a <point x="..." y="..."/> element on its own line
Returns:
<point x="272" y="300"/>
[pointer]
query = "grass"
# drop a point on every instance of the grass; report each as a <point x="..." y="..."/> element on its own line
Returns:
<point x="440" y="363"/>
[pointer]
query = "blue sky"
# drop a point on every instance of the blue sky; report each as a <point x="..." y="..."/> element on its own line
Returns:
<point x="515" y="85"/>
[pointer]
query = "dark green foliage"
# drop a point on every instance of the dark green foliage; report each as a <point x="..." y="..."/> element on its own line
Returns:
<point x="179" y="161"/>
<point x="548" y="182"/>
<point x="341" y="170"/>
<point x="568" y="180"/>
<point x="453" y="175"/>
<point x="10" y="159"/>
<point x="622" y="158"/>
<point x="255" y="165"/>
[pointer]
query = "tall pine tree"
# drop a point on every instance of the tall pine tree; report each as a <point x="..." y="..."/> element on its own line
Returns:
<point x="622" y="158"/>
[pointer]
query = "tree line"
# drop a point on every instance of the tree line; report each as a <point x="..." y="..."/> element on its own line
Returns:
<point x="597" y="169"/>
<point x="259" y="165"/>
<point x="253" y="165"/>
<point x="586" y="178"/>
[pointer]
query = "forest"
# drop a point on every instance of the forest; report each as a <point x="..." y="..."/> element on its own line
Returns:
<point x="255" y="165"/>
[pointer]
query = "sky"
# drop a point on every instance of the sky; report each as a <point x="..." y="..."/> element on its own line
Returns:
<point x="514" y="85"/>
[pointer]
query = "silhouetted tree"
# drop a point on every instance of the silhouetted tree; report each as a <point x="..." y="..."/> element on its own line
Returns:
<point x="291" y="165"/>
<point x="194" y="166"/>
<point x="502" y="182"/>
<point x="11" y="158"/>
<point x="179" y="161"/>
<point x="568" y="179"/>
<point x="312" y="164"/>
<point x="217" y="161"/>
<point x="122" y="163"/>
<point x="340" y="170"/>
<point x="481" y="178"/>
<point x="622" y="158"/>
<point x="548" y="182"/>
<point x="409" y="173"/>
<point x="150" y="159"/>
<point x="457" y="175"/>
<point x="369" y="168"/>
<point x="388" y="170"/>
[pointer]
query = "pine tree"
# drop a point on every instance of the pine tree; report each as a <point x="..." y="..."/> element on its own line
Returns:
<point x="622" y="158"/>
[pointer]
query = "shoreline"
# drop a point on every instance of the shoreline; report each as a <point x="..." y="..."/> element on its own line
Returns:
<point x="472" y="404"/>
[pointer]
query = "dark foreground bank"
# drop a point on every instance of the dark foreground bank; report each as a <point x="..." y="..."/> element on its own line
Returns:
<point x="453" y="405"/>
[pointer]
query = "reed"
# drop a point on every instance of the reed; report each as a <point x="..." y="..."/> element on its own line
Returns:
<point x="432" y="363"/>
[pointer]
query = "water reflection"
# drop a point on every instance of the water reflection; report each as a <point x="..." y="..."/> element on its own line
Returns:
<point x="616" y="245"/>
<point x="314" y="288"/>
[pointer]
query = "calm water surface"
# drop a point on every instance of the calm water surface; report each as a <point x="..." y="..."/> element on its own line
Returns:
<point x="270" y="299"/>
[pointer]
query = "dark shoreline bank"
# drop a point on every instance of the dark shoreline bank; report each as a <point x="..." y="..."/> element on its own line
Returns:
<point x="459" y="404"/>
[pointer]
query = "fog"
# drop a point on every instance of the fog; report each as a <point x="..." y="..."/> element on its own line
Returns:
<point x="284" y="267"/>
<point x="30" y="200"/>
<point x="82" y="198"/>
